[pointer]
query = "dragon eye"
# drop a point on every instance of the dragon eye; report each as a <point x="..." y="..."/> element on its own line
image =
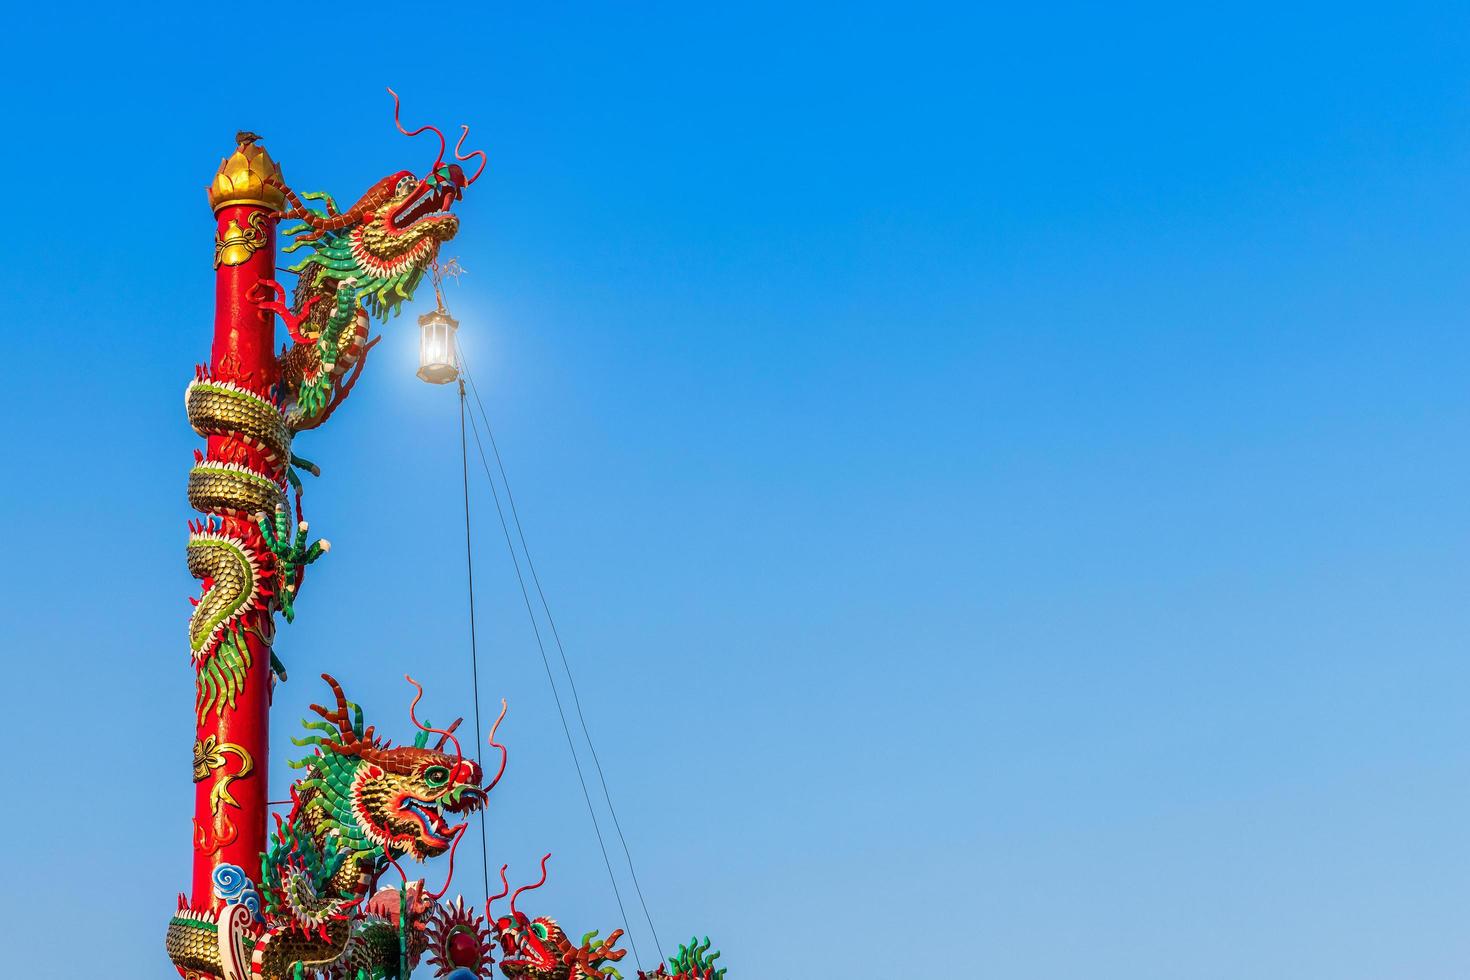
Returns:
<point x="436" y="775"/>
<point x="406" y="184"/>
<point x="539" y="930"/>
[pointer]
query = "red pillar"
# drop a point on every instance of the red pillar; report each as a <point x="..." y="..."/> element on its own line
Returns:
<point x="234" y="741"/>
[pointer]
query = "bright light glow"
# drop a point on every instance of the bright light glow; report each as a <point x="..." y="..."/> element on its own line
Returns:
<point x="436" y="347"/>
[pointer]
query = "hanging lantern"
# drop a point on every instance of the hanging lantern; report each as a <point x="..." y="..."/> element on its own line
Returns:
<point x="436" y="347"/>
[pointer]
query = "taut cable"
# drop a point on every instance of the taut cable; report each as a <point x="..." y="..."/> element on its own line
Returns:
<point x="556" y="695"/>
<point x="556" y="637"/>
<point x="469" y="561"/>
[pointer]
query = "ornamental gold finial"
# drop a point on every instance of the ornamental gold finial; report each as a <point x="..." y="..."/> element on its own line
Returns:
<point x="242" y="176"/>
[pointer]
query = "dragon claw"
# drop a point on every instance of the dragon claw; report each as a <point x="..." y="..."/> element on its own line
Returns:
<point x="293" y="554"/>
<point x="291" y="318"/>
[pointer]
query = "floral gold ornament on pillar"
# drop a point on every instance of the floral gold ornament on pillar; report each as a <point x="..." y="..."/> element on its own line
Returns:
<point x="247" y="176"/>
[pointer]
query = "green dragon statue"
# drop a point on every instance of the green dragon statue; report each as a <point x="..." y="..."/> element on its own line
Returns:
<point x="361" y="806"/>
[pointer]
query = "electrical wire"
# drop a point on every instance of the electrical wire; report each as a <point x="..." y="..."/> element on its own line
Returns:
<point x="560" y="708"/>
<point x="469" y="561"/>
<point x="561" y="649"/>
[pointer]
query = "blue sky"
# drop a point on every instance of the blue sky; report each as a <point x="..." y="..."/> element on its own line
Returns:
<point x="999" y="473"/>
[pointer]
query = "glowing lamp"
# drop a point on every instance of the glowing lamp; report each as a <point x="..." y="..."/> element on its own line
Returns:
<point x="436" y="347"/>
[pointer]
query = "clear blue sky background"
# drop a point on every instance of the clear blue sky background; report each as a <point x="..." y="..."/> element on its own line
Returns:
<point x="1000" y="474"/>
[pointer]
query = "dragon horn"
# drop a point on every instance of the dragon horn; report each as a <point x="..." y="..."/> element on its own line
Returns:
<point x="439" y="745"/>
<point x="338" y="717"/>
<point x="470" y="156"/>
<point x="434" y="129"/>
<point x="526" y="888"/>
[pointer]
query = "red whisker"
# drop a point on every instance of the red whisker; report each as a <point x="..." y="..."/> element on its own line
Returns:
<point x="526" y="888"/>
<point x="458" y="833"/>
<point x="398" y="867"/>
<point x="470" y="156"/>
<point x="439" y="745"/>
<point x="504" y="754"/>
<point x="505" y="890"/>
<point x="433" y="129"/>
<point x="445" y="733"/>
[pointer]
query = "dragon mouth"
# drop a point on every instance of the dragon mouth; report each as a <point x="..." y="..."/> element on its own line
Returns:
<point x="522" y="954"/>
<point x="426" y="203"/>
<point x="434" y="830"/>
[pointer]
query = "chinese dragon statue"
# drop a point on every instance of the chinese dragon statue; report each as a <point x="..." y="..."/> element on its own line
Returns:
<point x="540" y="949"/>
<point x="309" y="900"/>
<point x="366" y="260"/>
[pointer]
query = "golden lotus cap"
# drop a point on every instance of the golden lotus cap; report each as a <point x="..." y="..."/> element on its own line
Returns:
<point x="242" y="177"/>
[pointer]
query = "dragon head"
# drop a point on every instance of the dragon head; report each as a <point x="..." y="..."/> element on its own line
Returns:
<point x="539" y="949"/>
<point x="394" y="799"/>
<point x="404" y="221"/>
<point x="401" y="796"/>
<point x="385" y="242"/>
<point x="532" y="948"/>
<point x="366" y="261"/>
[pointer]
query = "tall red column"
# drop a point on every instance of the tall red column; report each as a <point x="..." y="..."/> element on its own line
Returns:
<point x="232" y="742"/>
